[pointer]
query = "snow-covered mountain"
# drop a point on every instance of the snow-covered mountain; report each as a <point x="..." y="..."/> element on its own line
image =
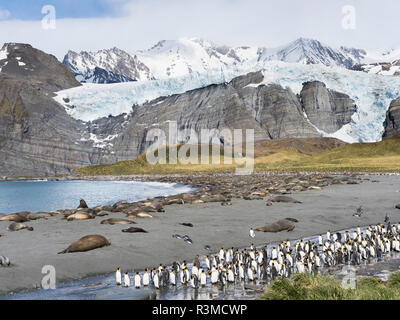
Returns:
<point x="185" y="56"/>
<point x="106" y="66"/>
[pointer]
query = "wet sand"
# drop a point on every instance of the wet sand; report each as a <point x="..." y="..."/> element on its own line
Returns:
<point x="214" y="225"/>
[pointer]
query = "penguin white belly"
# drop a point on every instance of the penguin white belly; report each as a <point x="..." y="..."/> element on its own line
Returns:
<point x="118" y="277"/>
<point x="127" y="281"/>
<point x="137" y="281"/>
<point x="203" y="279"/>
<point x="146" y="279"/>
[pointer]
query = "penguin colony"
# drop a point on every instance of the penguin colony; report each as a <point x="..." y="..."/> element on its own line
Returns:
<point x="266" y="264"/>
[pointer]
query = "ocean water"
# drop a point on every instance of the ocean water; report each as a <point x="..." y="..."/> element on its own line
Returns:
<point x="36" y="196"/>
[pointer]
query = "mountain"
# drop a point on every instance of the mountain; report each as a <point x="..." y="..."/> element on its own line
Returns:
<point x="308" y="51"/>
<point x="176" y="58"/>
<point x="37" y="136"/>
<point x="106" y="66"/>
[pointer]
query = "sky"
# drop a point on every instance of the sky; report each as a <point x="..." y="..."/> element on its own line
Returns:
<point x="138" y="24"/>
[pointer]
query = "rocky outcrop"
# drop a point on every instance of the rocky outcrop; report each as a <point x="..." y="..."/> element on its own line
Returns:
<point x="272" y="111"/>
<point x="37" y="136"/>
<point x="392" y="122"/>
<point x="327" y="109"/>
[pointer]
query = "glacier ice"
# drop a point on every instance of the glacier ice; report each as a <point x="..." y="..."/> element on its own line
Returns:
<point x="372" y="93"/>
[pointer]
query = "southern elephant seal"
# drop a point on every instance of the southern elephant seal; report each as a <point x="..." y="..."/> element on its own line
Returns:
<point x="82" y="204"/>
<point x="280" y="225"/>
<point x="39" y="215"/>
<point x="134" y="230"/>
<point x="80" y="216"/>
<point x="143" y="215"/>
<point x="15" y="226"/>
<point x="284" y="199"/>
<point x="117" y="221"/>
<point x="87" y="243"/>
<point x="398" y="206"/>
<point x="16" y="217"/>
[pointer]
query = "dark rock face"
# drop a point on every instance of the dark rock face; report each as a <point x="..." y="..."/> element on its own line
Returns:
<point x="392" y="122"/>
<point x="327" y="109"/>
<point x="272" y="111"/>
<point x="37" y="136"/>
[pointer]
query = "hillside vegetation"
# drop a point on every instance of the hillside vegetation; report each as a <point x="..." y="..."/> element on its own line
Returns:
<point x="315" y="154"/>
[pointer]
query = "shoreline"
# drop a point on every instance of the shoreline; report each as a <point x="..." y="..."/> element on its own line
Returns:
<point x="137" y="251"/>
<point x="155" y="177"/>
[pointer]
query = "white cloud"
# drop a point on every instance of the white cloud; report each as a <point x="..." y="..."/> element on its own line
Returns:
<point x="4" y="14"/>
<point x="232" y="22"/>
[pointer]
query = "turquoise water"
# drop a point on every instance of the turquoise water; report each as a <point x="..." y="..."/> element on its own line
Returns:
<point x="38" y="196"/>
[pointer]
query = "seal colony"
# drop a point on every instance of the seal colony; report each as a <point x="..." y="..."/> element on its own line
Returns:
<point x="266" y="264"/>
<point x="214" y="225"/>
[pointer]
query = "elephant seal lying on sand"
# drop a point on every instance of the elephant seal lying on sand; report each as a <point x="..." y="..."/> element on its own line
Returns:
<point x="80" y="216"/>
<point x="117" y="221"/>
<point x="16" y="217"/>
<point x="87" y="243"/>
<point x="18" y="226"/>
<point x="284" y="224"/>
<point x="284" y="199"/>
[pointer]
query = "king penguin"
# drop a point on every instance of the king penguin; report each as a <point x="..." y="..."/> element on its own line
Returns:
<point x="118" y="277"/>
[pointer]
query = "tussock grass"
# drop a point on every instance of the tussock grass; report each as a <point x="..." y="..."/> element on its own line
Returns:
<point x="363" y="157"/>
<point x="307" y="287"/>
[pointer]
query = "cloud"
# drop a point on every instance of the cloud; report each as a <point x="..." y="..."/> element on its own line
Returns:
<point x="142" y="23"/>
<point x="4" y="14"/>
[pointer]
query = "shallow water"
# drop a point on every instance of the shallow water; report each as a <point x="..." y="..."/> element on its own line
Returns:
<point x="45" y="195"/>
<point x="104" y="287"/>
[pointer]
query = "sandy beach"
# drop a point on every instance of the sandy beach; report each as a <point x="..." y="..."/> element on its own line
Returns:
<point x="218" y="226"/>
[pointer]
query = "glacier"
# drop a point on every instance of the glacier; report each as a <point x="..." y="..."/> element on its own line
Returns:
<point x="371" y="92"/>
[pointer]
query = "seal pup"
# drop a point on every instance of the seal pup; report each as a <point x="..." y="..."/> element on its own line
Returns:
<point x="87" y="243"/>
<point x="134" y="230"/>
<point x="397" y="206"/>
<point x="113" y="221"/>
<point x="18" y="226"/>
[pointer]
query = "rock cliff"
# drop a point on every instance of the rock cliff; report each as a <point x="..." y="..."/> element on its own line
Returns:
<point x="392" y="122"/>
